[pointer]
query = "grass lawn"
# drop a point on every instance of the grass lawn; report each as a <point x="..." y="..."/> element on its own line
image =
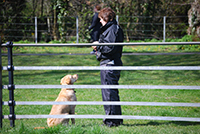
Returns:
<point x="87" y="77"/>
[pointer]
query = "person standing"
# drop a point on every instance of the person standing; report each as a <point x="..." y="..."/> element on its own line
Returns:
<point x="110" y="55"/>
<point x="95" y="26"/>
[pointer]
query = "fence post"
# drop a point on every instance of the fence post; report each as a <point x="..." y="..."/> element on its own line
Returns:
<point x="76" y="29"/>
<point x="1" y="115"/>
<point x="164" y="25"/>
<point x="36" y="30"/>
<point x="11" y="87"/>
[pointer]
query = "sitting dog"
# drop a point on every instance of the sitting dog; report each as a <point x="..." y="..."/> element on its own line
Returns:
<point x="66" y="94"/>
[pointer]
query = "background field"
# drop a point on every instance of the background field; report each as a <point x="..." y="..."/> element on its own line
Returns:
<point x="189" y="78"/>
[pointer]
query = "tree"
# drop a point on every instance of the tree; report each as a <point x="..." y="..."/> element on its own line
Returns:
<point x="194" y="19"/>
<point x="140" y="19"/>
<point x="9" y="12"/>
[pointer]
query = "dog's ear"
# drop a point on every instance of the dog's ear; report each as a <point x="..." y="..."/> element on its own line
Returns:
<point x="61" y="81"/>
<point x="68" y="80"/>
<point x="65" y="80"/>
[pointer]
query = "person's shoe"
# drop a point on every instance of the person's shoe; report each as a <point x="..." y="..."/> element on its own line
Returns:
<point x="110" y="125"/>
<point x="93" y="52"/>
<point x="102" y="124"/>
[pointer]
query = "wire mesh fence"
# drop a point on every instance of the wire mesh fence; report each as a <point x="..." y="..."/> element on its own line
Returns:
<point x="71" y="28"/>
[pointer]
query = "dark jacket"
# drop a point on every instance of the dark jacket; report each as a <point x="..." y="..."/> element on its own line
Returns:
<point x="110" y="33"/>
<point x="95" y="26"/>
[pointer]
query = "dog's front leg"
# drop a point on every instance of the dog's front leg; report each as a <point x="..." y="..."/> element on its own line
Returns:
<point x="65" y="121"/>
<point x="73" y="112"/>
<point x="73" y="120"/>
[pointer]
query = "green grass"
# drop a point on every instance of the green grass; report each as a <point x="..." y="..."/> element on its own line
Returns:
<point x="93" y="126"/>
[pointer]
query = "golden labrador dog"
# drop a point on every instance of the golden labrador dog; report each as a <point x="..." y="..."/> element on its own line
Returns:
<point x="66" y="94"/>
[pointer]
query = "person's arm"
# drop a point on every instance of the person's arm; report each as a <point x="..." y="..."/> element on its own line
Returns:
<point x="95" y="20"/>
<point x="109" y="37"/>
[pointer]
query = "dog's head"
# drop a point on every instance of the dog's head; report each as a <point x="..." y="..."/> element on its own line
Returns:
<point x="69" y="79"/>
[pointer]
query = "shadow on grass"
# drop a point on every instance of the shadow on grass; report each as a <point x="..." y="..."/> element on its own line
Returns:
<point x="128" y="60"/>
<point x="161" y="60"/>
<point x="155" y="123"/>
<point x="39" y="76"/>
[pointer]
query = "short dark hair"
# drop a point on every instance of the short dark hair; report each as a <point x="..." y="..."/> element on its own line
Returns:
<point x="107" y="14"/>
<point x="98" y="7"/>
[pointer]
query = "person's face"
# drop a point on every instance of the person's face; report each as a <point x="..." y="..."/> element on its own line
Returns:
<point x="102" y="22"/>
<point x="95" y="10"/>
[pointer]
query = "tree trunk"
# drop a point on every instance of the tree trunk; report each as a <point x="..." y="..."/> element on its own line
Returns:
<point x="194" y="19"/>
<point x="54" y="26"/>
<point x="42" y="3"/>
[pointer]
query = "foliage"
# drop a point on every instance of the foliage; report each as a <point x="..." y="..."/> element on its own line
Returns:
<point x="63" y="21"/>
<point x="188" y="38"/>
<point x="58" y="16"/>
<point x="9" y="13"/>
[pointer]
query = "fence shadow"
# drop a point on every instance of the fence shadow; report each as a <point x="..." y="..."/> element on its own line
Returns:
<point x="161" y="60"/>
<point x="155" y="123"/>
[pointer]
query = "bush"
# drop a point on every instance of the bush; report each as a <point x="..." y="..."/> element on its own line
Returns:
<point x="188" y="38"/>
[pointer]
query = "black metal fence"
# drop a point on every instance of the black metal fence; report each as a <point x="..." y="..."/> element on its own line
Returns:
<point x="11" y="86"/>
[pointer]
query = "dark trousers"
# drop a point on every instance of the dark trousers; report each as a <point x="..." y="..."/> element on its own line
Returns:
<point x="111" y="77"/>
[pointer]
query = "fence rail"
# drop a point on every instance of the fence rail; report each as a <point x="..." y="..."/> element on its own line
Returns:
<point x="107" y="117"/>
<point x="103" y="68"/>
<point x="103" y="86"/>
<point x="11" y="103"/>
<point x="104" y="103"/>
<point x="104" y="44"/>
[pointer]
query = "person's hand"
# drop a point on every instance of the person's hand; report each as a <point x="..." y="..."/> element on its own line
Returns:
<point x="94" y="47"/>
<point x="95" y="42"/>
